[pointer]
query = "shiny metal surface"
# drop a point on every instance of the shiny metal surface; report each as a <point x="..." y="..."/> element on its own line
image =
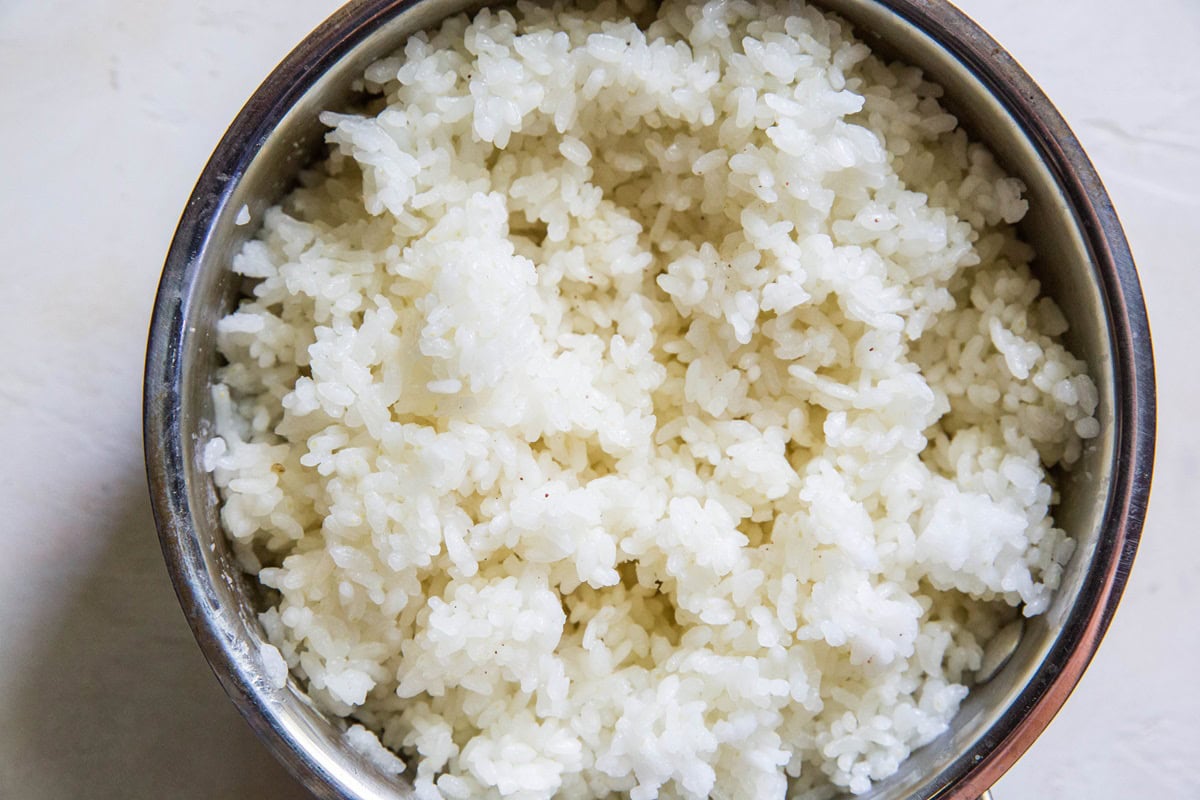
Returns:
<point x="1084" y="262"/>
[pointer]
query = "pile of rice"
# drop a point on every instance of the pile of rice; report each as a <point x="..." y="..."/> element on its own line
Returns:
<point x="658" y="407"/>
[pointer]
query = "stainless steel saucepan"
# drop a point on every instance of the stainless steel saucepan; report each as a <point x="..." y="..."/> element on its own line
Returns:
<point x="1083" y="262"/>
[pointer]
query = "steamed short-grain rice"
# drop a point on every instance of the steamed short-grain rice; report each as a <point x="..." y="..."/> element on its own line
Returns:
<point x="659" y="408"/>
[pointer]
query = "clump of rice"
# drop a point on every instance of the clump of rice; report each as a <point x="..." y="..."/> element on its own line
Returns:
<point x="659" y="407"/>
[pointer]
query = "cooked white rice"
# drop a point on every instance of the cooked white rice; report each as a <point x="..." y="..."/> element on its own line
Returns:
<point x="661" y="409"/>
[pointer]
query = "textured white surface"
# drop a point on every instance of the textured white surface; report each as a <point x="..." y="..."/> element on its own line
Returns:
<point x="102" y="690"/>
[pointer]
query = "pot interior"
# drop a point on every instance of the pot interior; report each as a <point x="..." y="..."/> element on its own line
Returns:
<point x="278" y="133"/>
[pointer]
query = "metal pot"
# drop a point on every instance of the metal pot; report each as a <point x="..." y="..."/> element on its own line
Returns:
<point x="1083" y="262"/>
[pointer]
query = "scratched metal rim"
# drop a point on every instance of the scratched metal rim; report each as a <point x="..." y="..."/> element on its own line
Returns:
<point x="974" y="770"/>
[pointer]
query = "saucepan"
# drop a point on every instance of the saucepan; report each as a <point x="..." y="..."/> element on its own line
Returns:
<point x="1083" y="261"/>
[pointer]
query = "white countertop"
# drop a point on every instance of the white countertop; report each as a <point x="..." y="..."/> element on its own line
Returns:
<point x="111" y="108"/>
